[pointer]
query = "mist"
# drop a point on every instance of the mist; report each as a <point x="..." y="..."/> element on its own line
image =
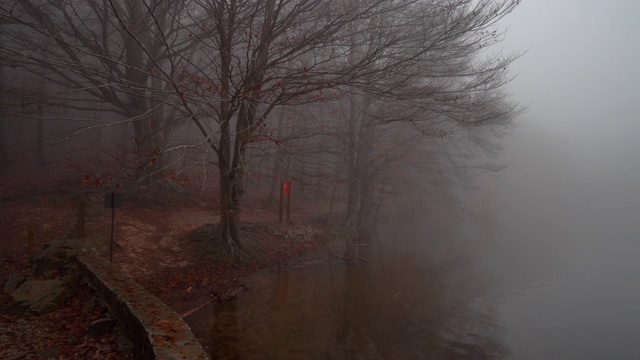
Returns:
<point x="449" y="194"/>
<point x="565" y="258"/>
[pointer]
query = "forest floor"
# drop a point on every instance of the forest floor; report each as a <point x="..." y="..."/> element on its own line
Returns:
<point x="159" y="243"/>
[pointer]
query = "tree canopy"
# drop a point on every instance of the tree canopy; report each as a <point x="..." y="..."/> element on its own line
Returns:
<point x="379" y="81"/>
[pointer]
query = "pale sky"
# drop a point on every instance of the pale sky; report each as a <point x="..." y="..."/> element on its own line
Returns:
<point x="581" y="73"/>
<point x="581" y="81"/>
<point x="570" y="218"/>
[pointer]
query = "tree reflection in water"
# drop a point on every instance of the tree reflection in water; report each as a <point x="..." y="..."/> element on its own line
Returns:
<point x="397" y="305"/>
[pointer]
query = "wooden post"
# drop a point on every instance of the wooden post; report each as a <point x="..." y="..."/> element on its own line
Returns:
<point x="281" y="206"/>
<point x="32" y="234"/>
<point x="113" y="229"/>
<point x="285" y="191"/>
<point x="288" y="201"/>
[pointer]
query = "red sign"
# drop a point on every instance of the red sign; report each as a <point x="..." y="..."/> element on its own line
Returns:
<point x="286" y="187"/>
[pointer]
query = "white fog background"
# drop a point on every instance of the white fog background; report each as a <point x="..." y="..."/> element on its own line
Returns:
<point x="568" y="231"/>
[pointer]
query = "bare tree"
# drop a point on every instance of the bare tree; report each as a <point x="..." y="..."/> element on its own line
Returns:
<point x="101" y="52"/>
<point x="3" y="136"/>
<point x="256" y="56"/>
<point x="431" y="74"/>
<point x="223" y="66"/>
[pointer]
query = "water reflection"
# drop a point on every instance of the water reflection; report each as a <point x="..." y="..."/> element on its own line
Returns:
<point x="399" y="304"/>
<point x="225" y="327"/>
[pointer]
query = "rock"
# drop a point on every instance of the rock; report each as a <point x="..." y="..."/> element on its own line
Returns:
<point x="65" y="248"/>
<point x="212" y="290"/>
<point x="51" y="261"/>
<point x="72" y="341"/>
<point x="73" y="267"/>
<point x="50" y="274"/>
<point x="302" y="233"/>
<point x="82" y="352"/>
<point x="51" y="352"/>
<point x="12" y="283"/>
<point x="27" y="273"/>
<point x="124" y="344"/>
<point x="41" y="296"/>
<point x="72" y="279"/>
<point x="89" y="305"/>
<point x="102" y="326"/>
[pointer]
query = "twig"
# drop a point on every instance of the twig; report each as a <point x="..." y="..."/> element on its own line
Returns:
<point x="343" y="257"/>
<point x="190" y="312"/>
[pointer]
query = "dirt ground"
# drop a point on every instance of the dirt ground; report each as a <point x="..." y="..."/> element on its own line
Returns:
<point x="157" y="243"/>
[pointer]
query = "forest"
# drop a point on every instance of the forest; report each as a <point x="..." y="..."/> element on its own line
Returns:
<point x="365" y="107"/>
<point x="352" y="100"/>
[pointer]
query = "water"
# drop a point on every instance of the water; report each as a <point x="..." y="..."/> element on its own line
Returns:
<point x="553" y="275"/>
<point x="404" y="302"/>
<point x="552" y="293"/>
<point x="564" y="262"/>
<point x="574" y="295"/>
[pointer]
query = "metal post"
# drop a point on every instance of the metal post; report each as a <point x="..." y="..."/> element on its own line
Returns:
<point x="32" y="233"/>
<point x="112" y="200"/>
<point x="113" y="227"/>
<point x="82" y="207"/>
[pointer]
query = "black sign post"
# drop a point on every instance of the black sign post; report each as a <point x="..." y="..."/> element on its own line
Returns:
<point x="112" y="200"/>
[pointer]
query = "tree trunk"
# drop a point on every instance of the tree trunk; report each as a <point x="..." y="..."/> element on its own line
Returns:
<point x="97" y="136"/>
<point x="150" y="138"/>
<point x="352" y="157"/>
<point x="231" y="168"/>
<point x="3" y="141"/>
<point x="229" y="216"/>
<point x="364" y="222"/>
<point x="150" y="142"/>
<point x="229" y="230"/>
<point x="361" y="129"/>
<point x="228" y="212"/>
<point x="277" y="159"/>
<point x="231" y="173"/>
<point x="39" y="136"/>
<point x="3" y="137"/>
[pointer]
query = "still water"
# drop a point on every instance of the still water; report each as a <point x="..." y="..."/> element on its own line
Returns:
<point x="551" y="272"/>
<point x="410" y="299"/>
<point x="517" y="290"/>
<point x="554" y="275"/>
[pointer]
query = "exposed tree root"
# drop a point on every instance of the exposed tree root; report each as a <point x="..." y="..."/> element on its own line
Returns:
<point x="227" y="251"/>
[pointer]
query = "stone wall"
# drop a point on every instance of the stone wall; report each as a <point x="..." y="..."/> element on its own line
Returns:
<point x="156" y="331"/>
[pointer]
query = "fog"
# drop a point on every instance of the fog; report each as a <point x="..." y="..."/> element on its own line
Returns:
<point x="575" y="151"/>
<point x="547" y="246"/>
<point x="565" y="258"/>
